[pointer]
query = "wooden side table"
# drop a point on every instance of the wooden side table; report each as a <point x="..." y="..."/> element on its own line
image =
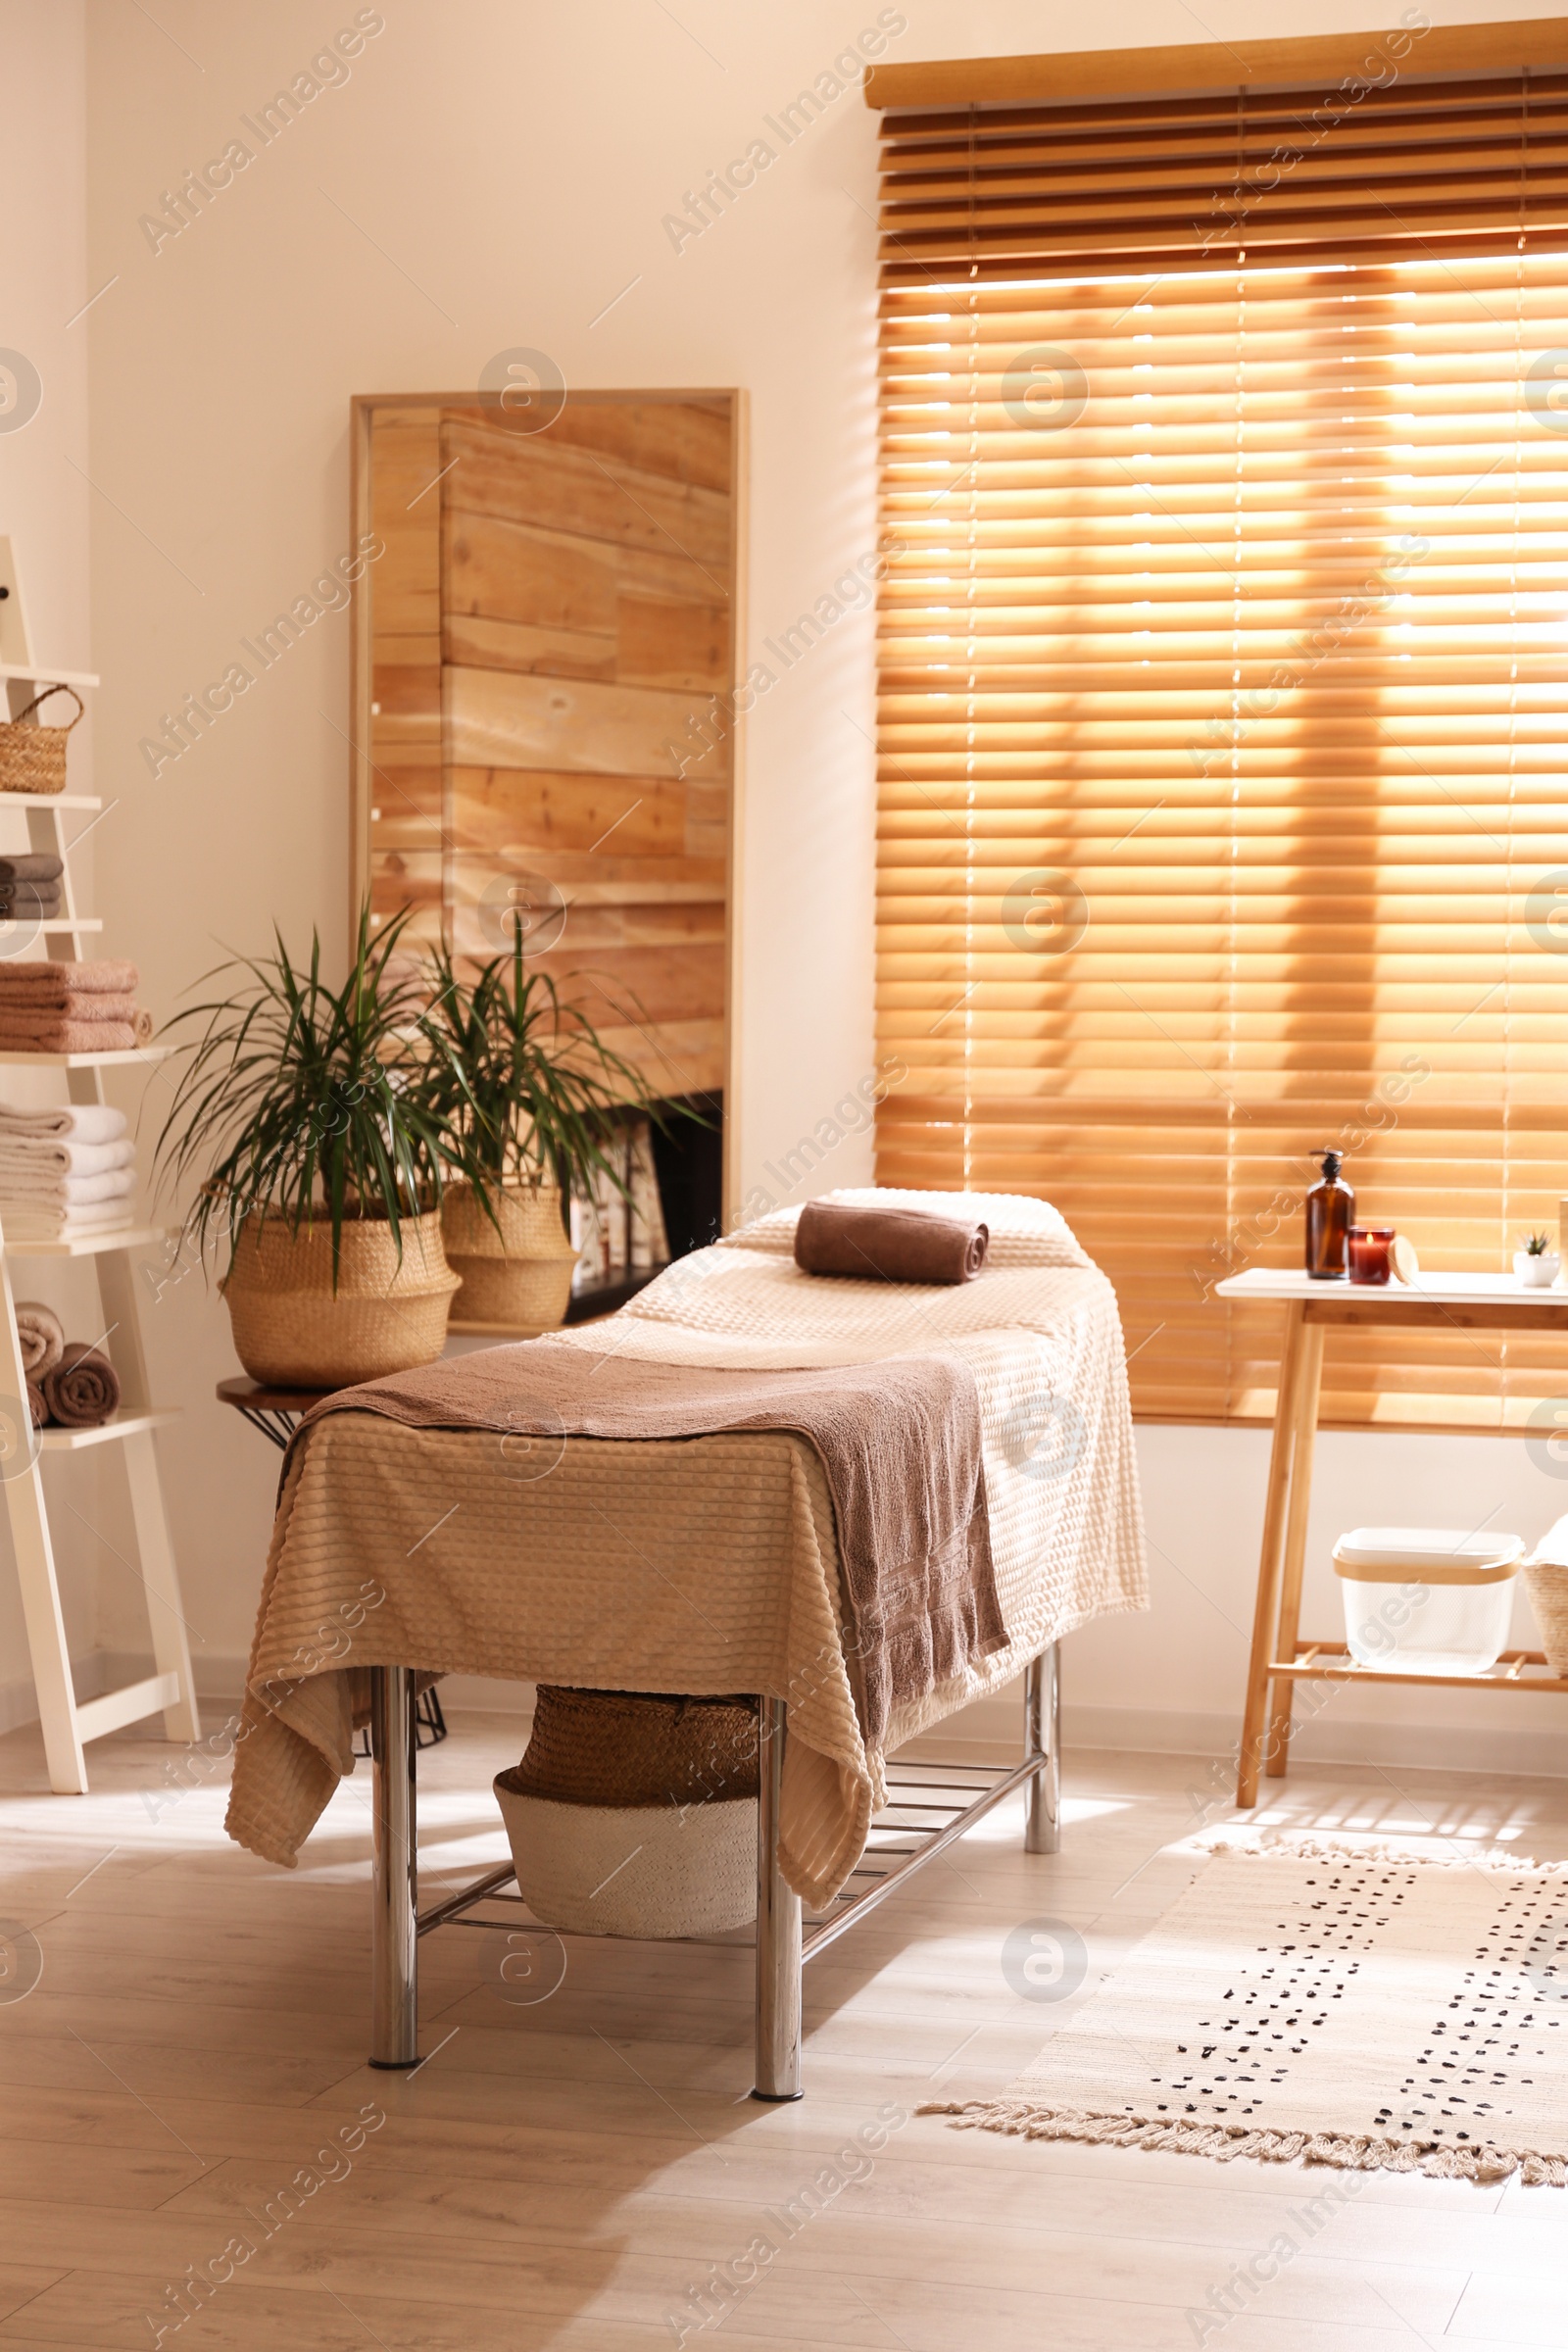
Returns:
<point x="1453" y="1303"/>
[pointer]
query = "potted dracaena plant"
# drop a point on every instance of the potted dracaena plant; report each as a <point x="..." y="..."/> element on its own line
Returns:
<point x="536" y="1096"/>
<point x="321" y="1122"/>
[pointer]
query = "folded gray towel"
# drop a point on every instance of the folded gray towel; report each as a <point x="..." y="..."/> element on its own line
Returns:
<point x="32" y="865"/>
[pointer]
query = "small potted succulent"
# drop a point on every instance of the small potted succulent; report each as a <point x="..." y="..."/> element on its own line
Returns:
<point x="535" y="1096"/>
<point x="1538" y="1263"/>
<point x="320" y="1122"/>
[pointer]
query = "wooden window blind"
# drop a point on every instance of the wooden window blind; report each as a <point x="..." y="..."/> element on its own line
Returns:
<point x="1223" y="807"/>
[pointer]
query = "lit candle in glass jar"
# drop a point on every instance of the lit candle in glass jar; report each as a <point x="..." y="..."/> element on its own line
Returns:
<point x="1368" y="1247"/>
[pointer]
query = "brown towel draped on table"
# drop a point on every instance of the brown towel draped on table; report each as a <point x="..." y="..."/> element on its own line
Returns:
<point x="899" y="1441"/>
<point x="888" y="1244"/>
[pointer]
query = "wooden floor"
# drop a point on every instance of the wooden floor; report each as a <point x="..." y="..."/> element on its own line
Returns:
<point x="569" y="2172"/>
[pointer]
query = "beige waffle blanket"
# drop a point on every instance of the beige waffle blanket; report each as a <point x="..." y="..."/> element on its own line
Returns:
<point x="709" y="1564"/>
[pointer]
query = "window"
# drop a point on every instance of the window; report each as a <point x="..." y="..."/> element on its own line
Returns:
<point x="1223" y="773"/>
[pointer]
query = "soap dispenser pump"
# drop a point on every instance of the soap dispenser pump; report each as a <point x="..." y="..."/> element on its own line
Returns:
<point x="1330" y="1211"/>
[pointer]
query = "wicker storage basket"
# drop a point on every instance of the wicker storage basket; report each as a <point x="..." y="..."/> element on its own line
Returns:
<point x="636" y="1815"/>
<point x="1547" y="1587"/>
<point x="521" y="1276"/>
<point x="32" y="756"/>
<point x="292" y="1330"/>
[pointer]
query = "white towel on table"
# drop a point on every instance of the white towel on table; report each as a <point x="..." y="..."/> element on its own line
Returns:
<point x="81" y="1122"/>
<point x="60" y="1156"/>
<point x="53" y="1191"/>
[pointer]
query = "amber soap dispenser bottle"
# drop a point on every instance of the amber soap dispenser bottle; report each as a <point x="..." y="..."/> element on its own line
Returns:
<point x="1330" y="1209"/>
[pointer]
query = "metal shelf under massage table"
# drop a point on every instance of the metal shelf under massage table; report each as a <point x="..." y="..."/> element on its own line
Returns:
<point x="784" y="1940"/>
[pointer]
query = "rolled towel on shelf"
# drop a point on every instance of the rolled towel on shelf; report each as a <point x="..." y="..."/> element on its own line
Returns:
<point x="19" y="899"/>
<point x="143" y="1022"/>
<point x="37" y="1406"/>
<point x="30" y="865"/>
<point x="42" y="1335"/>
<point x="74" y="1122"/>
<point x="888" y="1244"/>
<point x="83" y="1391"/>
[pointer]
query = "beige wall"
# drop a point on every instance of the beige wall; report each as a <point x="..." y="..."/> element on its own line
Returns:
<point x="494" y="176"/>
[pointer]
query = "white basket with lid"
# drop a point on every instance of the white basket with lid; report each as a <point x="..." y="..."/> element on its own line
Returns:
<point x="1427" y="1599"/>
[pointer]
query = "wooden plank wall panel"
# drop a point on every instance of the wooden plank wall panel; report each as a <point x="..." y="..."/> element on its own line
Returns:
<point x="587" y="623"/>
<point x="405" y="584"/>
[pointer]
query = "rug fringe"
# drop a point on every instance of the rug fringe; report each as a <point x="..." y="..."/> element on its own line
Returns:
<point x="1345" y="2151"/>
<point x="1346" y="1849"/>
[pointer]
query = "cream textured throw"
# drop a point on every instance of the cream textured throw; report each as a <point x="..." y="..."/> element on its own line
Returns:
<point x="707" y="1565"/>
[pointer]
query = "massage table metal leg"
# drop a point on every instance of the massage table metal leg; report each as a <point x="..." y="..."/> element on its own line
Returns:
<point x="778" y="1929"/>
<point x="1042" y="1731"/>
<point x="394" y="1964"/>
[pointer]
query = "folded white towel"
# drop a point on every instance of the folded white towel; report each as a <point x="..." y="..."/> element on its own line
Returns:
<point x="37" y="1224"/>
<point x="83" y="1122"/>
<point x="62" y="1156"/>
<point x="66" y="1191"/>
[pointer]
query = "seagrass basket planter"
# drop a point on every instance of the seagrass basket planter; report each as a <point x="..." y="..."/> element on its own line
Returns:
<point x="519" y="1276"/>
<point x="635" y="1814"/>
<point x="388" y="1313"/>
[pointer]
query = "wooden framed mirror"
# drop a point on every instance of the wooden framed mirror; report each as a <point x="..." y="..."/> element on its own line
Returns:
<point x="545" y="648"/>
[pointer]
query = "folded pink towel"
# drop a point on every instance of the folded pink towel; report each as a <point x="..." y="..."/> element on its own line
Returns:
<point x="38" y="1005"/>
<point x="61" y="1033"/>
<point x="104" y="976"/>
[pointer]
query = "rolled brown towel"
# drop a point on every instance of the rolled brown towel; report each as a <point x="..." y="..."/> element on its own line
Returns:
<point x="888" y="1244"/>
<point x="31" y="865"/>
<point x="82" y="1390"/>
<point x="42" y="1335"/>
<point x="141" y="1021"/>
<point x="37" y="1405"/>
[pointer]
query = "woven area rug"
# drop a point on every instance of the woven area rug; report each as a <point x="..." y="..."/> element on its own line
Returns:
<point x="1366" y="2008"/>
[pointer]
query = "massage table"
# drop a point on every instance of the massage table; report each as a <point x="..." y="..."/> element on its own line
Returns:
<point x="703" y="1564"/>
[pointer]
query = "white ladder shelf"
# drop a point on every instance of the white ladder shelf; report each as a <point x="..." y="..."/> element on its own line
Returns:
<point x="69" y="1724"/>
